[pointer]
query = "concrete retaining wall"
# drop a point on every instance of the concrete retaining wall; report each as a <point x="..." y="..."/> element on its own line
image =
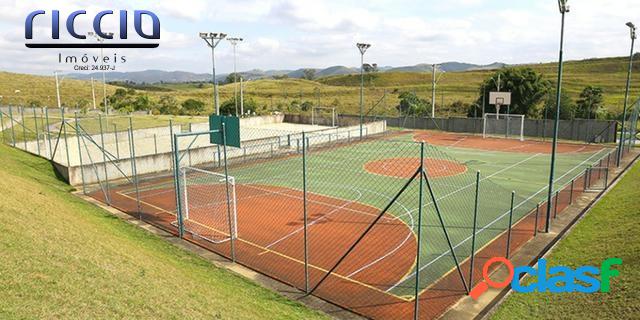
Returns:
<point x="162" y="162"/>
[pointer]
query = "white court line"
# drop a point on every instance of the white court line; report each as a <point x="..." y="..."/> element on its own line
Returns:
<point x="452" y="193"/>
<point x="488" y="225"/>
<point x="335" y="209"/>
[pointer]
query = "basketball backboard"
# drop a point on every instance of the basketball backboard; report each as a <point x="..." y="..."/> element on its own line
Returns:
<point x="500" y="98"/>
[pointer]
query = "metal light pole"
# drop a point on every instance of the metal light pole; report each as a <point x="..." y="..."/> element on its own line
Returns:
<point x="93" y="93"/>
<point x="563" y="10"/>
<point x="104" y="77"/>
<point x="55" y="73"/>
<point x="433" y="90"/>
<point x="363" y="48"/>
<point x="632" y="28"/>
<point x="212" y="39"/>
<point x="234" y="42"/>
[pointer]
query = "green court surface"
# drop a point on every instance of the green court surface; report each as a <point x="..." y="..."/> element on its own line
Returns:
<point x="345" y="173"/>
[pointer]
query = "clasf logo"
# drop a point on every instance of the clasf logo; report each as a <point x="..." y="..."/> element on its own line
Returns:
<point x="123" y="30"/>
<point x="556" y="279"/>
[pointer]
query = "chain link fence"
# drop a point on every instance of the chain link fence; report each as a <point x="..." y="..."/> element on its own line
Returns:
<point x="380" y="224"/>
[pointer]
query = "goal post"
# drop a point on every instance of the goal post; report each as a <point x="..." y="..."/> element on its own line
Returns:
<point x="206" y="210"/>
<point x="320" y="113"/>
<point x="505" y="125"/>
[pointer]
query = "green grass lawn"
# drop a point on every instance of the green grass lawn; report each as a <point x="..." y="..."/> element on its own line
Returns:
<point x="65" y="258"/>
<point x="608" y="230"/>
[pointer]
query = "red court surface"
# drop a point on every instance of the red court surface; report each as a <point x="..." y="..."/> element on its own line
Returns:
<point x="497" y="144"/>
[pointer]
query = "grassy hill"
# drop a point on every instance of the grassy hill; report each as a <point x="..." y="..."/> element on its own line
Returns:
<point x="342" y="91"/>
<point x="589" y="243"/>
<point x="65" y="258"/>
<point x="43" y="90"/>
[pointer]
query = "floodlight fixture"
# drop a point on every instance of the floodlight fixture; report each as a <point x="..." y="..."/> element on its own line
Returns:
<point x="363" y="47"/>
<point x="562" y="5"/>
<point x="632" y="28"/>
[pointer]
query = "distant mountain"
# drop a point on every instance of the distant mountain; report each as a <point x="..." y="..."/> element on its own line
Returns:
<point x="147" y="76"/>
<point x="157" y="76"/>
<point x="423" y="67"/>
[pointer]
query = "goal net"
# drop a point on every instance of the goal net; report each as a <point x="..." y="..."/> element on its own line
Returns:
<point x="208" y="207"/>
<point x="503" y="125"/>
<point x="323" y="116"/>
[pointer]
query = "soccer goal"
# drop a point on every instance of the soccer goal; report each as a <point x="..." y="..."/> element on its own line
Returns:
<point x="505" y="125"/>
<point x="208" y="204"/>
<point x="323" y="116"/>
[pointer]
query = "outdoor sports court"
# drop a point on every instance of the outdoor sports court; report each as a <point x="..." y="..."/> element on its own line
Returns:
<point x="348" y="185"/>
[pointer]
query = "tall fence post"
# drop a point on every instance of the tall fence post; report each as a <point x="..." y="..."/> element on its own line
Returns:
<point x="134" y="169"/>
<point x="155" y="143"/>
<point x="104" y="161"/>
<point x="305" y="216"/>
<point x="2" y="125"/>
<point x="24" y="128"/>
<point x="555" y="209"/>
<point x="115" y="135"/>
<point x="84" y="185"/>
<point x="513" y="196"/>
<point x="171" y="138"/>
<point x="226" y="175"/>
<point x="64" y="132"/>
<point x="13" y="130"/>
<point x="416" y="312"/>
<point x="176" y="159"/>
<point x="35" y="122"/>
<point x="535" y="227"/>
<point x="473" y="235"/>
<point x="46" y="115"/>
<point x="571" y="192"/>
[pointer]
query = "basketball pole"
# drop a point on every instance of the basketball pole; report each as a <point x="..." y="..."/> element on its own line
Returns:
<point x="563" y="10"/>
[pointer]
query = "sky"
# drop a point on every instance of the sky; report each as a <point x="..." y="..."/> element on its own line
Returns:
<point x="292" y="34"/>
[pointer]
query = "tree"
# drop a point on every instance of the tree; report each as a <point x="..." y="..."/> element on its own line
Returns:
<point x="192" y="107"/>
<point x="232" y="77"/>
<point x="590" y="103"/>
<point x="412" y="105"/>
<point x="309" y="74"/>
<point x="306" y="105"/>
<point x="82" y="104"/>
<point x="167" y="105"/>
<point x="228" y="107"/>
<point x="567" y="109"/>
<point x="528" y="89"/>
<point x="142" y="103"/>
